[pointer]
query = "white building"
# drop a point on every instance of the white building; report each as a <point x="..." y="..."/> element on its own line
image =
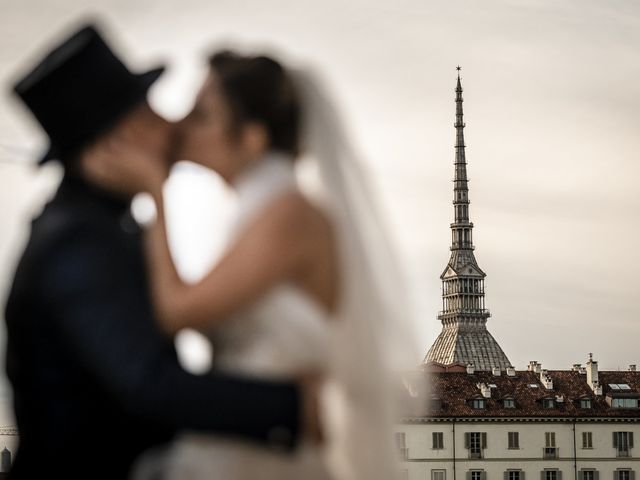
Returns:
<point x="524" y="425"/>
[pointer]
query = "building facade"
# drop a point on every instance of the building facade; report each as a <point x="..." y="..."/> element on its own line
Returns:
<point x="577" y="424"/>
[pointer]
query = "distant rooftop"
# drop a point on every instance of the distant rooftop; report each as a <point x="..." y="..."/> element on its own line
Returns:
<point x="456" y="391"/>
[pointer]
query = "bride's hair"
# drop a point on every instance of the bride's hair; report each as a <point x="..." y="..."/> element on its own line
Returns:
<point x="258" y="89"/>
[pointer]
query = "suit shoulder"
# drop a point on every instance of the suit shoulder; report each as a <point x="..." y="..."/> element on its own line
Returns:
<point x="60" y="228"/>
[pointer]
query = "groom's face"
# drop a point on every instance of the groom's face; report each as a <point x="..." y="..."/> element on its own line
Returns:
<point x="146" y="130"/>
<point x="142" y="129"/>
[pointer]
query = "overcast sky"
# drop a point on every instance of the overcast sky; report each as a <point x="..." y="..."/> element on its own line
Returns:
<point x="551" y="105"/>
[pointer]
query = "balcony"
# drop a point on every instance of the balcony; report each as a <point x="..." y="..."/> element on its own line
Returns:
<point x="550" y="453"/>
<point x="403" y="453"/>
<point x="623" y="452"/>
<point x="464" y="311"/>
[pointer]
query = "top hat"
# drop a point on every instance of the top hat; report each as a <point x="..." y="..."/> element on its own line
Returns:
<point x="80" y="90"/>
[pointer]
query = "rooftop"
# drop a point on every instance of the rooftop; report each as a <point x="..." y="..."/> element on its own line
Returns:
<point x="455" y="393"/>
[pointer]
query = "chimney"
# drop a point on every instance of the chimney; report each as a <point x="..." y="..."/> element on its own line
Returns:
<point x="485" y="390"/>
<point x="538" y="367"/>
<point x="632" y="368"/>
<point x="576" y="367"/>
<point x="470" y="369"/>
<point x="532" y="365"/>
<point x="592" y="374"/>
<point x="511" y="371"/>
<point x="559" y="398"/>
<point x="545" y="379"/>
<point x="495" y="371"/>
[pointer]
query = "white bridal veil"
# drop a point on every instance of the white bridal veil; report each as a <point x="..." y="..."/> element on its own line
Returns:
<point x="373" y="338"/>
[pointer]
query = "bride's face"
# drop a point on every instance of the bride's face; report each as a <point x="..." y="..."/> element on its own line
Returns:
<point x="209" y="136"/>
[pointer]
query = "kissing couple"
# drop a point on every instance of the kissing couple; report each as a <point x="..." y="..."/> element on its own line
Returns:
<point x="304" y="309"/>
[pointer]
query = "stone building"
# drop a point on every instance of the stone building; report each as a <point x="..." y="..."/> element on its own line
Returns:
<point x="485" y="420"/>
<point x="464" y="337"/>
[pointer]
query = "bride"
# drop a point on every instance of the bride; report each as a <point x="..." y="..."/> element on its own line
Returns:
<point x="307" y="283"/>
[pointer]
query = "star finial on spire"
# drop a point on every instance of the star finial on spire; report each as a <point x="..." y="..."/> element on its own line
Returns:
<point x="458" y="68"/>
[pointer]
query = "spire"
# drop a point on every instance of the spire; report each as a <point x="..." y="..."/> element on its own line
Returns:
<point x="461" y="228"/>
<point x="464" y="337"/>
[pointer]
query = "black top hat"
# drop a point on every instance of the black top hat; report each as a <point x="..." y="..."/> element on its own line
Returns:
<point x="80" y="90"/>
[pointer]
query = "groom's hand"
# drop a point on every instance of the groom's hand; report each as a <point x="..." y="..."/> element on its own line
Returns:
<point x="310" y="389"/>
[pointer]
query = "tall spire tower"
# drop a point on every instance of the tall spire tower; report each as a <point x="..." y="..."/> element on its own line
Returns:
<point x="464" y="337"/>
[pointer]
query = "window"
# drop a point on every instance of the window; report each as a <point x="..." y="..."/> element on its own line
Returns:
<point x="588" y="475"/>
<point x="514" y="475"/>
<point x="509" y="403"/>
<point x="513" y="440"/>
<point x="437" y="440"/>
<point x="585" y="403"/>
<point x="550" y="439"/>
<point x="435" y="404"/>
<point x="623" y="443"/>
<point x="587" y="440"/>
<point x="475" y="446"/>
<point x="438" y="474"/>
<point x="548" y="403"/>
<point x="624" y="402"/>
<point x="401" y="444"/>
<point x="476" y="475"/>
<point x="478" y="403"/>
<point x="549" y="451"/>
<point x="623" y="474"/>
<point x="619" y="386"/>
<point x="551" y="475"/>
<point x="475" y="442"/>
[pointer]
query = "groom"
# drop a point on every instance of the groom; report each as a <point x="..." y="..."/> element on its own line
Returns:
<point x="95" y="382"/>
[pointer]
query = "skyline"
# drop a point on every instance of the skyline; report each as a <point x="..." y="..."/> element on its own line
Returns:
<point x="551" y="107"/>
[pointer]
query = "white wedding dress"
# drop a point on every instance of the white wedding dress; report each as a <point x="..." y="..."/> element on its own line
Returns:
<point x="282" y="334"/>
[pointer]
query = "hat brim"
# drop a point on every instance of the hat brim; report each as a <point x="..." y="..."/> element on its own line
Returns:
<point x="136" y="97"/>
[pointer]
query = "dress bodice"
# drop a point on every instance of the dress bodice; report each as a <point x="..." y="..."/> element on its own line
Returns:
<point x="285" y="331"/>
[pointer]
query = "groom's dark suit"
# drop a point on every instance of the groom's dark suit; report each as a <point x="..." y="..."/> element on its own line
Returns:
<point x="95" y="382"/>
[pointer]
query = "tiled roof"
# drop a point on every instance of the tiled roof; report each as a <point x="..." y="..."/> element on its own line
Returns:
<point x="463" y="344"/>
<point x="454" y="390"/>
